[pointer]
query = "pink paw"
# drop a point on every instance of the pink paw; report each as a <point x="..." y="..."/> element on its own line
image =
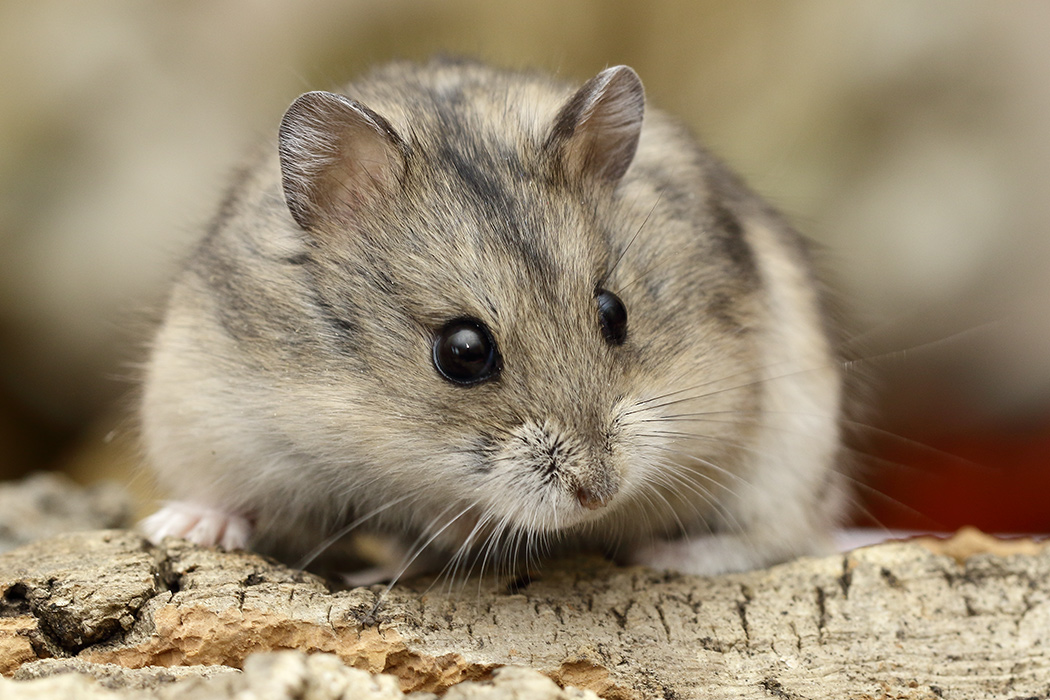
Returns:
<point x="197" y="523"/>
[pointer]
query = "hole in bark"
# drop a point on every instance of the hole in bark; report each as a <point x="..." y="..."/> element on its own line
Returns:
<point x="16" y="601"/>
<point x="16" y="593"/>
<point x="172" y="581"/>
<point x="519" y="584"/>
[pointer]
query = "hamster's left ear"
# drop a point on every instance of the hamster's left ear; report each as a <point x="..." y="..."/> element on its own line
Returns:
<point x="595" y="135"/>
<point x="337" y="158"/>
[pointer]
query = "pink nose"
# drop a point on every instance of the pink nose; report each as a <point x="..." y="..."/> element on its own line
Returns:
<point x="591" y="500"/>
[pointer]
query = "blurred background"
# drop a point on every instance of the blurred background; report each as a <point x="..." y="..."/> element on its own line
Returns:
<point x="911" y="139"/>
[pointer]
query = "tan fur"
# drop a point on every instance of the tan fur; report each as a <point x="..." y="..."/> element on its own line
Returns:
<point x="292" y="385"/>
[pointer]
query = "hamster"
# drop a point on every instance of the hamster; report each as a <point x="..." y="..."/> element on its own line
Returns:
<point x="494" y="316"/>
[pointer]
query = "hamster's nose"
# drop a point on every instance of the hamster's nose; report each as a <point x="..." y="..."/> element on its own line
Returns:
<point x="592" y="499"/>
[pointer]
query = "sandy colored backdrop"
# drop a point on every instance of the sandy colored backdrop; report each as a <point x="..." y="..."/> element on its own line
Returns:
<point x="911" y="138"/>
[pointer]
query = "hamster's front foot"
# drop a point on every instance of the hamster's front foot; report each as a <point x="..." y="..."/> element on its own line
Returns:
<point x="200" y="524"/>
<point x="706" y="555"/>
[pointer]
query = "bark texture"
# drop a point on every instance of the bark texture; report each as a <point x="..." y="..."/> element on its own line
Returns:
<point x="46" y="504"/>
<point x="104" y="614"/>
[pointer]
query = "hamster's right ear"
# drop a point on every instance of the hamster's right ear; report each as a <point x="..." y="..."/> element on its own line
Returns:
<point x="596" y="132"/>
<point x="336" y="157"/>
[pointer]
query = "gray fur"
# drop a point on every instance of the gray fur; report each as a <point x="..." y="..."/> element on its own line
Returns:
<point x="292" y="384"/>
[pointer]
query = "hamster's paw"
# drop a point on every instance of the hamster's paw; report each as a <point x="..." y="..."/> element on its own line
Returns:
<point x="396" y="563"/>
<point x="706" y="556"/>
<point x="368" y="577"/>
<point x="199" y="524"/>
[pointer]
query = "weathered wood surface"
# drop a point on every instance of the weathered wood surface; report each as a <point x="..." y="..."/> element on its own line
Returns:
<point x="177" y="621"/>
<point x="893" y="621"/>
<point x="46" y="504"/>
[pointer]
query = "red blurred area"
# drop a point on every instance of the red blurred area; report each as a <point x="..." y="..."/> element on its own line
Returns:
<point x="994" y="478"/>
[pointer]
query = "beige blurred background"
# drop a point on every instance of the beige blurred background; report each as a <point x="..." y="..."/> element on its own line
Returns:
<point x="912" y="139"/>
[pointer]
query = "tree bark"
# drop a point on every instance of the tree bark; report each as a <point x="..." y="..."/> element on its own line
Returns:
<point x="891" y="621"/>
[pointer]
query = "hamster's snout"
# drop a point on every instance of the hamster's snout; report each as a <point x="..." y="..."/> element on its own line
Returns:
<point x="592" y="499"/>
<point x="596" y="481"/>
<point x="570" y="469"/>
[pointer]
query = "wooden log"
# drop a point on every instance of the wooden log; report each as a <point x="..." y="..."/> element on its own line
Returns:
<point x="891" y="621"/>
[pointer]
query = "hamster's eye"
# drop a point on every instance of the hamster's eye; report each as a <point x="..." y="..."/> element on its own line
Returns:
<point x="465" y="353"/>
<point x="613" y="316"/>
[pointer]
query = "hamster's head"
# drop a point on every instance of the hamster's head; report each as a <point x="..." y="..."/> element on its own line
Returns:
<point x="502" y="320"/>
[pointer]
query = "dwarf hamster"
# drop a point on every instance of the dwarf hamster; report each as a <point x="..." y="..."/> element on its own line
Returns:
<point x="490" y="314"/>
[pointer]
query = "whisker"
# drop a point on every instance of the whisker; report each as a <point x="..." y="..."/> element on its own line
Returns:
<point x="700" y="460"/>
<point x="896" y="503"/>
<point x="345" y="530"/>
<point x="856" y="504"/>
<point x="643" y="404"/>
<point x="630" y="243"/>
<point x="703" y="493"/>
<point x="705" y="417"/>
<point x="456" y="561"/>
<point x="642" y="276"/>
<point x="927" y="345"/>
<point x="681" y="526"/>
<point x="845" y="364"/>
<point x="417" y="550"/>
<point x="499" y="533"/>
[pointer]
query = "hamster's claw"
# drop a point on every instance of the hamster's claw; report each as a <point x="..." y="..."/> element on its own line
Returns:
<point x="199" y="524"/>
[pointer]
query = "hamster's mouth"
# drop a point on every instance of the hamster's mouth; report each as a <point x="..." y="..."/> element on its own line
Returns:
<point x="474" y="529"/>
<point x="584" y="510"/>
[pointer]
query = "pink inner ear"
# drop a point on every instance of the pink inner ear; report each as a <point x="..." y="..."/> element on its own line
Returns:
<point x="337" y="156"/>
<point x="363" y="167"/>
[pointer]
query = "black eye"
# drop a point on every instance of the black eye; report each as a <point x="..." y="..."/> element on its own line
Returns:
<point x="465" y="353"/>
<point x="613" y="316"/>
